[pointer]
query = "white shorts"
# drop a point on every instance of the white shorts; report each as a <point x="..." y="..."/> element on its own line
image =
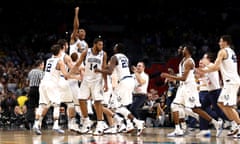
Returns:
<point x="228" y="94"/>
<point x="124" y="91"/>
<point x="188" y="96"/>
<point x="65" y="90"/>
<point x="48" y="93"/>
<point x="93" y="89"/>
<point x="75" y="90"/>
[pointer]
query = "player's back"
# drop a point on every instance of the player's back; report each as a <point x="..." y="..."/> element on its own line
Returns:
<point x="228" y="67"/>
<point x="122" y="68"/>
<point x="50" y="72"/>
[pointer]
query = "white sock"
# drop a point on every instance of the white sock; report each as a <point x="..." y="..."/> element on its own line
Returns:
<point x="184" y="125"/>
<point x="213" y="121"/>
<point x="177" y="127"/>
<point x="55" y="125"/>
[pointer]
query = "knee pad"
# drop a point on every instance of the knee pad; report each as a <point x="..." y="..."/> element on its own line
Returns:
<point x="123" y="111"/>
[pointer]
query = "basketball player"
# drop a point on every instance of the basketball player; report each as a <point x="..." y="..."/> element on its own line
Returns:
<point x="49" y="89"/>
<point x="214" y="90"/>
<point x="188" y="96"/>
<point x="92" y="84"/>
<point x="77" y="39"/>
<point x="120" y="63"/>
<point x="67" y="95"/>
<point x="226" y="62"/>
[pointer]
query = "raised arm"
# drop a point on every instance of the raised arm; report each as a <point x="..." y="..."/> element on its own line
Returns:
<point x="75" y="26"/>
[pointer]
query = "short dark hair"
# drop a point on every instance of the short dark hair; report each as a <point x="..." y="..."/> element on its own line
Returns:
<point x="120" y="47"/>
<point x="55" y="49"/>
<point x="227" y="38"/>
<point x="38" y="62"/>
<point x="211" y="56"/>
<point x="189" y="48"/>
<point x="74" y="56"/>
<point x="62" y="42"/>
<point x="96" y="40"/>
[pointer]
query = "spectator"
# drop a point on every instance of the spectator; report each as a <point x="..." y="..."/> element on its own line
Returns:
<point x="140" y="91"/>
<point x="154" y="109"/>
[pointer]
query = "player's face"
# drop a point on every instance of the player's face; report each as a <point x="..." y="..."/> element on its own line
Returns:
<point x="205" y="59"/>
<point x="66" y="46"/>
<point x="184" y="51"/>
<point x="82" y="34"/>
<point x="180" y="49"/>
<point x="201" y="65"/>
<point x="140" y="67"/>
<point x="99" y="45"/>
<point x="222" y="43"/>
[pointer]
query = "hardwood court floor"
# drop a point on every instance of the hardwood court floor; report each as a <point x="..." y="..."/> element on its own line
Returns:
<point x="149" y="136"/>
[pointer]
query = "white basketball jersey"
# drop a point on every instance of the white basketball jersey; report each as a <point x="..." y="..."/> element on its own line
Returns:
<point x="51" y="73"/>
<point x="190" y="77"/>
<point x="229" y="69"/>
<point x="74" y="47"/>
<point x="122" y="69"/>
<point x="93" y="62"/>
<point x="213" y="81"/>
<point x="83" y="45"/>
<point x="62" y="58"/>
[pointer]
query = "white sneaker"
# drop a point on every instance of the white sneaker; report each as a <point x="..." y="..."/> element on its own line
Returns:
<point x="140" y="126"/>
<point x="86" y="126"/>
<point x="237" y="136"/>
<point x="74" y="128"/>
<point x="129" y="127"/>
<point x="176" y="133"/>
<point x="37" y="130"/>
<point x="233" y="130"/>
<point x="111" y="130"/>
<point x="226" y="124"/>
<point x="105" y="126"/>
<point x="218" y="127"/>
<point x="58" y="130"/>
<point x="121" y="127"/>
<point x="99" y="129"/>
<point x="204" y="133"/>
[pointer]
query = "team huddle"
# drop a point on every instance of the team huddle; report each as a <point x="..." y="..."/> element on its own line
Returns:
<point x="83" y="78"/>
<point x="61" y="79"/>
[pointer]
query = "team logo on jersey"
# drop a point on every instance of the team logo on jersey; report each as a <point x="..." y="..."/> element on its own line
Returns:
<point x="191" y="99"/>
<point x="226" y="97"/>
